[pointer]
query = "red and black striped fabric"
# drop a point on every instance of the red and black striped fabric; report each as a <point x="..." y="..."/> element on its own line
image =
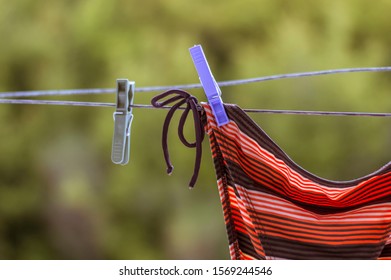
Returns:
<point x="274" y="209"/>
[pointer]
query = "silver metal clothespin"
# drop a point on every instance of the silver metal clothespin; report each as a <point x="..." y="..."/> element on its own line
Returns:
<point x="122" y="122"/>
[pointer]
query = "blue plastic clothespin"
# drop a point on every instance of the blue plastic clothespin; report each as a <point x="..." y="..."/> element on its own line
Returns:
<point x="122" y="122"/>
<point x="212" y="90"/>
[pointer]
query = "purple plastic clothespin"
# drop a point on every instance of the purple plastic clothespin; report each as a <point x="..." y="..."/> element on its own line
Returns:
<point x="212" y="90"/>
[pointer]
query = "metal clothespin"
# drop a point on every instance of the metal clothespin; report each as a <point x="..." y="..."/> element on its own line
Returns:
<point x="122" y="122"/>
<point x="211" y="88"/>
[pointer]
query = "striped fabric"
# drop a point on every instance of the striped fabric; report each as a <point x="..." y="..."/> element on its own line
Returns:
<point x="274" y="209"/>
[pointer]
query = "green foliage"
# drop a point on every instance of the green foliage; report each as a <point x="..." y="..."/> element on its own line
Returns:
<point x="60" y="195"/>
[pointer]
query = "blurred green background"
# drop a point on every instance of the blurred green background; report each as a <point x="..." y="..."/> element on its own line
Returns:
<point x="60" y="195"/>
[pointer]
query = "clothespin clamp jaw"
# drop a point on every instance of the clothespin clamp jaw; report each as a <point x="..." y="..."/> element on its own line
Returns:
<point x="122" y="122"/>
<point x="211" y="88"/>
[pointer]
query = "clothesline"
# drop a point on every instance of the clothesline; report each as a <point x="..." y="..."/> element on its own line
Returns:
<point x="17" y="94"/>
<point x="142" y="106"/>
<point x="9" y="97"/>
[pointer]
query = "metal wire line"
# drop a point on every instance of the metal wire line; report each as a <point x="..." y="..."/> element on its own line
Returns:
<point x="6" y="95"/>
<point x="17" y="94"/>
<point x="144" y="106"/>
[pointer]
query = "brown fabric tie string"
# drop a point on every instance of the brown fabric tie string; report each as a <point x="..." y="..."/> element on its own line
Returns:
<point x="182" y="97"/>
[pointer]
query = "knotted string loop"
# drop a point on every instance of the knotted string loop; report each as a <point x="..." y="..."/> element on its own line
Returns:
<point x="179" y="98"/>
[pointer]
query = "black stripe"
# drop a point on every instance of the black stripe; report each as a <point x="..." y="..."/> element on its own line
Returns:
<point x="246" y="246"/>
<point x="289" y="249"/>
<point x="386" y="251"/>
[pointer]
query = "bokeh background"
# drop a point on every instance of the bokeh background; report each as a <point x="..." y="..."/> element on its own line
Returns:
<point x="61" y="197"/>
